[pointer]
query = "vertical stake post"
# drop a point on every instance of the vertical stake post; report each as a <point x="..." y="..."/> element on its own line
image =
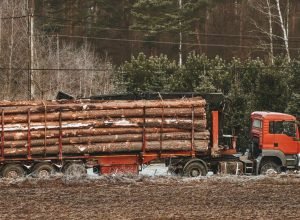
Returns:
<point x="60" y="135"/>
<point x="45" y="129"/>
<point x="193" y="132"/>
<point x="161" y="129"/>
<point x="144" y="131"/>
<point x="2" y="134"/>
<point x="28" y="135"/>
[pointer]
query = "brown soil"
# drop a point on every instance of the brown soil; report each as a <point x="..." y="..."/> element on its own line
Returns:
<point x="152" y="198"/>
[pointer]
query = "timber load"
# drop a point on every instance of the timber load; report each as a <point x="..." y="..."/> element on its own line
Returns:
<point x="89" y="127"/>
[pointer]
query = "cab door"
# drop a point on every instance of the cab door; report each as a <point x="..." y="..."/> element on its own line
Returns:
<point x="285" y="136"/>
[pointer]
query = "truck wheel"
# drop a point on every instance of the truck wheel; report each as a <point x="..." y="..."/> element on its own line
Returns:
<point x="13" y="171"/>
<point x="194" y="170"/>
<point x="269" y="167"/>
<point x="43" y="170"/>
<point x="75" y="170"/>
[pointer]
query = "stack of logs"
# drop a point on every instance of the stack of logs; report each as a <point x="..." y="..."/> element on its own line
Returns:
<point x="83" y="127"/>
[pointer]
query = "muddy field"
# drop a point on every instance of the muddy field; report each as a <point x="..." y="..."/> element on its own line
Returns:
<point x="140" y="197"/>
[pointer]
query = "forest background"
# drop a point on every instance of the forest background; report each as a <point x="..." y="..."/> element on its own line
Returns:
<point x="246" y="49"/>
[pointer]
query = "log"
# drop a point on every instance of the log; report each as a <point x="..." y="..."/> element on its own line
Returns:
<point x="96" y="114"/>
<point x="112" y="123"/>
<point x="79" y="105"/>
<point x="110" y="139"/>
<point x="200" y="146"/>
<point x="40" y="134"/>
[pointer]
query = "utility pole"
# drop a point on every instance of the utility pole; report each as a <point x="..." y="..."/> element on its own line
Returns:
<point x="59" y="81"/>
<point x="30" y="9"/>
<point x="0" y="31"/>
<point x="180" y="37"/>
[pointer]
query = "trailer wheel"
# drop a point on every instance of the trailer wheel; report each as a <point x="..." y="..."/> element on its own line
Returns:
<point x="13" y="171"/>
<point x="75" y="170"/>
<point x="194" y="169"/>
<point x="43" y="170"/>
<point x="269" y="167"/>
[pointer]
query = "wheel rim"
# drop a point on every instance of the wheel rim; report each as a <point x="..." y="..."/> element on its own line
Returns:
<point x="271" y="172"/>
<point x="268" y="169"/>
<point x="43" y="174"/>
<point x="12" y="174"/>
<point x="195" y="172"/>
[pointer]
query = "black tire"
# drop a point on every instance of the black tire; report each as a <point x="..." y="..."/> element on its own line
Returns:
<point x="13" y="171"/>
<point x="75" y="170"/>
<point x="269" y="167"/>
<point x="194" y="169"/>
<point x="43" y="170"/>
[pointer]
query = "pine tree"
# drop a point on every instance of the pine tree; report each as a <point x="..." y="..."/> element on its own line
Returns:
<point x="143" y="74"/>
<point x="193" y="17"/>
<point x="157" y="18"/>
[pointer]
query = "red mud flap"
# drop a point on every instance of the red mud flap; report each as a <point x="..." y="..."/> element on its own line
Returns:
<point x="119" y="165"/>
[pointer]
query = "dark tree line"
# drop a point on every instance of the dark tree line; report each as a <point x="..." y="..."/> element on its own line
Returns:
<point x="122" y="28"/>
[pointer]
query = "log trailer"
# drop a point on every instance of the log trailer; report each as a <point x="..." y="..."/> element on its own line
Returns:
<point x="113" y="135"/>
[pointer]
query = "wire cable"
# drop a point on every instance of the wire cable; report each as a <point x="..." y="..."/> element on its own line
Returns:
<point x="157" y="42"/>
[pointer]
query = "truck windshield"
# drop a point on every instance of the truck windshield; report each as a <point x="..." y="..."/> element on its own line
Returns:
<point x="283" y="127"/>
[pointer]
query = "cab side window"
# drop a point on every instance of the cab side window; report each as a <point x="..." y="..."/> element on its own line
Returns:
<point x="256" y="123"/>
<point x="283" y="127"/>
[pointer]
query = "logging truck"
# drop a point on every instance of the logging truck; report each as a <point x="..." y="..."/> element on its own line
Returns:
<point x="113" y="134"/>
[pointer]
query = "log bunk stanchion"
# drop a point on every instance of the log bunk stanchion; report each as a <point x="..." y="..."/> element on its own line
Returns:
<point x="193" y="133"/>
<point x="45" y="130"/>
<point x="28" y="135"/>
<point x="161" y="127"/>
<point x="2" y="134"/>
<point x="60" y="137"/>
<point x="144" y="132"/>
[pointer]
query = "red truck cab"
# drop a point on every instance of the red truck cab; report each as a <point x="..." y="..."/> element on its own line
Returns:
<point x="275" y="141"/>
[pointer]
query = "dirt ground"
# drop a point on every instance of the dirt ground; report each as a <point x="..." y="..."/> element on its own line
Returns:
<point x="140" y="197"/>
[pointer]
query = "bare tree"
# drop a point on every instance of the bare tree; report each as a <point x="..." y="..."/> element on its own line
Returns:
<point x="13" y="57"/>
<point x="272" y="15"/>
<point x="284" y="26"/>
<point x="56" y="64"/>
<point x="81" y="72"/>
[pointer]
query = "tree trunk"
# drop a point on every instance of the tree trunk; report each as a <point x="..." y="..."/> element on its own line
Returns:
<point x="111" y="123"/>
<point x="11" y="46"/>
<point x="102" y="114"/>
<point x="284" y="31"/>
<point x="68" y="133"/>
<point x="178" y="145"/>
<point x="109" y="139"/>
<point x="197" y="30"/>
<point x="270" y="31"/>
<point x="86" y="104"/>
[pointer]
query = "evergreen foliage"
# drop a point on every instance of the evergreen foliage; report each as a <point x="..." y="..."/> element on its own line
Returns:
<point x="153" y="74"/>
<point x="250" y="85"/>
